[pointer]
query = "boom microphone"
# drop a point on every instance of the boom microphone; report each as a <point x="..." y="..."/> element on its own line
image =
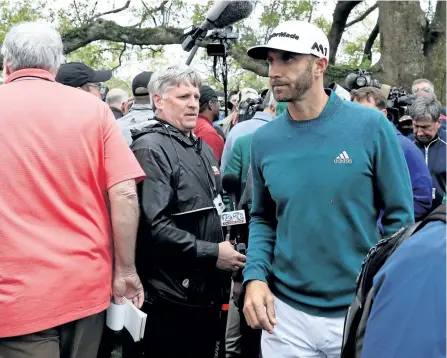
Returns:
<point x="234" y="12"/>
<point x="219" y="16"/>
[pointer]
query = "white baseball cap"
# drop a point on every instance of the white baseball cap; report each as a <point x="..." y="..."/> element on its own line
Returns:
<point x="294" y="36"/>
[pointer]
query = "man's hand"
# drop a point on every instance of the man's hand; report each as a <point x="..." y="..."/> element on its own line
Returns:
<point x="237" y="292"/>
<point x="128" y="284"/>
<point x="259" y="309"/>
<point x="229" y="259"/>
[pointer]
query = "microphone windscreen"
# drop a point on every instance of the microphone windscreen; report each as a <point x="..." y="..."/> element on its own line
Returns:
<point x="230" y="183"/>
<point x="234" y="12"/>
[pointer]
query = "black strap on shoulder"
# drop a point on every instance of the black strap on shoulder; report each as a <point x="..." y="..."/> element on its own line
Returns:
<point x="439" y="214"/>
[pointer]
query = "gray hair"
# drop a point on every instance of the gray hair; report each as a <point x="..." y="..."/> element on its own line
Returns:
<point x="429" y="84"/>
<point x="425" y="108"/>
<point x="269" y="100"/>
<point x="116" y="96"/>
<point x="170" y="77"/>
<point x="33" y="45"/>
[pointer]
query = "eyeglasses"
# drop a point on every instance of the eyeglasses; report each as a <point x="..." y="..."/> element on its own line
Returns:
<point x="100" y="86"/>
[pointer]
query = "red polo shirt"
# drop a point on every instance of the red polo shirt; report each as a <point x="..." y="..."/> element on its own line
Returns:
<point x="61" y="150"/>
<point x="205" y="130"/>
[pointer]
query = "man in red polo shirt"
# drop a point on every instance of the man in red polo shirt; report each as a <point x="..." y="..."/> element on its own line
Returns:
<point x="208" y="113"/>
<point x="68" y="187"/>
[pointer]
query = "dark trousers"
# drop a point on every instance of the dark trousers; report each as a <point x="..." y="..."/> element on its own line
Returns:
<point x="77" y="339"/>
<point x="175" y="331"/>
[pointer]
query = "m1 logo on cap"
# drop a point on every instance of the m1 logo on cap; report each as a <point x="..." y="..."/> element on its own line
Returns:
<point x="320" y="48"/>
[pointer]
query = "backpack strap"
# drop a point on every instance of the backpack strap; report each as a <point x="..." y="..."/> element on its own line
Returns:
<point x="358" y="313"/>
<point x="439" y="214"/>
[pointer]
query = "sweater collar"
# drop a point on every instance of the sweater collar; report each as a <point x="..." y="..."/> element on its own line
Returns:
<point x="328" y="111"/>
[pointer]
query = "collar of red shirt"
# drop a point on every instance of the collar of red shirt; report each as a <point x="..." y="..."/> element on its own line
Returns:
<point x="30" y="72"/>
<point x="201" y="116"/>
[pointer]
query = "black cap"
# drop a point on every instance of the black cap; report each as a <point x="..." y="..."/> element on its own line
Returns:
<point x="77" y="74"/>
<point x="206" y="94"/>
<point x="140" y="82"/>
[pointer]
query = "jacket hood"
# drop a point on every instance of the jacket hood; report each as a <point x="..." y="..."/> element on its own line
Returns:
<point x="157" y="125"/>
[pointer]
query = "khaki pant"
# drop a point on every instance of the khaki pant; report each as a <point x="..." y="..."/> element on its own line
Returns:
<point x="77" y="339"/>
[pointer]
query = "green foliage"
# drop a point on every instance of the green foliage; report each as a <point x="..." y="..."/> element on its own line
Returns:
<point x="199" y="11"/>
<point x="123" y="83"/>
<point x="181" y="13"/>
<point x="23" y="10"/>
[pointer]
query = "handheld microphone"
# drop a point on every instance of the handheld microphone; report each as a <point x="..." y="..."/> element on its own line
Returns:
<point x="222" y="14"/>
<point x="230" y="183"/>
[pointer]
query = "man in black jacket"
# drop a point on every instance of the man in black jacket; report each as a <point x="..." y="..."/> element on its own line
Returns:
<point x="181" y="250"/>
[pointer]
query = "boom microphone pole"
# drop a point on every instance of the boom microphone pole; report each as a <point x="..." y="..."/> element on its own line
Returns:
<point x="220" y="15"/>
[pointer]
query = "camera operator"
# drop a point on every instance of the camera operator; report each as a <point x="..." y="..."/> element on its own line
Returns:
<point x="425" y="112"/>
<point x="243" y="95"/>
<point x="181" y="251"/>
<point x="420" y="176"/>
<point x="265" y="112"/>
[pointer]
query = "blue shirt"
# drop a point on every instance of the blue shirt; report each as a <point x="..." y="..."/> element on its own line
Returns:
<point x="408" y="317"/>
<point x="318" y="187"/>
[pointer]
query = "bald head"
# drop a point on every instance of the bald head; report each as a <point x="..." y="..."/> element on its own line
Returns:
<point x="118" y="98"/>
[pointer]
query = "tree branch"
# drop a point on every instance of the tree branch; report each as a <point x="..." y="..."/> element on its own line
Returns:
<point x="340" y="16"/>
<point x="151" y="11"/>
<point x="367" y="52"/>
<point x="120" y="57"/>
<point x="126" y="5"/>
<point x="362" y="17"/>
<point x="78" y="15"/>
<point x="247" y="63"/>
<point x="109" y="30"/>
<point x="94" y="9"/>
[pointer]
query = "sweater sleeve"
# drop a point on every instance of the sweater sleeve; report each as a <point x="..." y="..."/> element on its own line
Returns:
<point x="392" y="182"/>
<point x="233" y="166"/>
<point x="262" y="235"/>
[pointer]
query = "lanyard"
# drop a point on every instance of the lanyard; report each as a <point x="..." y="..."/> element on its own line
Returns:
<point x="210" y="179"/>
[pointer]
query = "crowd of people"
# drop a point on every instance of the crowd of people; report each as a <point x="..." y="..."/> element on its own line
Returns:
<point x="106" y="195"/>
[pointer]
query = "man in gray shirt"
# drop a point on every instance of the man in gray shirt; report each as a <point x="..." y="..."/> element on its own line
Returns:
<point x="141" y="111"/>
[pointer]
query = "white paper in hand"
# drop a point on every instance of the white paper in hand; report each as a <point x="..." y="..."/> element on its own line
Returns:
<point x="127" y="316"/>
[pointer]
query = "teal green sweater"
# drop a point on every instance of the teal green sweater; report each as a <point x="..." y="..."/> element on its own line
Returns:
<point x="318" y="188"/>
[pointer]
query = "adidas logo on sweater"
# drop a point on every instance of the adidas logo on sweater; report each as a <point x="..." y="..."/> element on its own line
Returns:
<point x="343" y="157"/>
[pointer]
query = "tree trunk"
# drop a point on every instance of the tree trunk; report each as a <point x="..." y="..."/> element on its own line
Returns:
<point x="367" y="52"/>
<point x="405" y="54"/>
<point x="340" y="16"/>
<point x="435" y="51"/>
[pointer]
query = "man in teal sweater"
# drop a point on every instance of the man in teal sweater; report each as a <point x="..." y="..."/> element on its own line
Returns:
<point x="322" y="171"/>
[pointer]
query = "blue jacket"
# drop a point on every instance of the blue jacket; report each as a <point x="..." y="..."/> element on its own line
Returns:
<point x="435" y="157"/>
<point x="421" y="181"/>
<point x="408" y="317"/>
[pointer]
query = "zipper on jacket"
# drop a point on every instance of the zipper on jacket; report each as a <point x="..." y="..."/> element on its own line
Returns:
<point x="427" y="148"/>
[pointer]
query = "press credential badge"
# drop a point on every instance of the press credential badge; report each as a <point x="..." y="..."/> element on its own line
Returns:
<point x="218" y="204"/>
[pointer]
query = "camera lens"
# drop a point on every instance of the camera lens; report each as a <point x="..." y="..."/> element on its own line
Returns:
<point x="361" y="81"/>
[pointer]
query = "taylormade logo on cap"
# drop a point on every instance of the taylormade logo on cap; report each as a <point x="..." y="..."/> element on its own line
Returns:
<point x="284" y="34"/>
<point x="294" y="36"/>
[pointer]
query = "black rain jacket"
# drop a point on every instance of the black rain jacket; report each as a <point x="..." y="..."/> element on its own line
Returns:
<point x="179" y="232"/>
